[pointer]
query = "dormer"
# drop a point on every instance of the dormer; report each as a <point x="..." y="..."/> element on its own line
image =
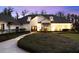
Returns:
<point x="51" y="18"/>
<point x="70" y="20"/>
<point x="29" y="18"/>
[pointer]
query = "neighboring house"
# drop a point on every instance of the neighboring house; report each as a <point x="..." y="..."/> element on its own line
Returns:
<point x="7" y="22"/>
<point x="45" y="23"/>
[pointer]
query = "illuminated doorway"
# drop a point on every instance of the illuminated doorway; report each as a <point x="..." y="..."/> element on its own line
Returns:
<point x="34" y="28"/>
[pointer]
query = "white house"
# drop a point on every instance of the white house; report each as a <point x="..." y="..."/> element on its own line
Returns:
<point x="45" y="23"/>
<point x="7" y="22"/>
<point x="36" y="23"/>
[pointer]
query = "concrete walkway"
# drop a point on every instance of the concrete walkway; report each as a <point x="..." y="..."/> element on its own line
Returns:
<point x="10" y="46"/>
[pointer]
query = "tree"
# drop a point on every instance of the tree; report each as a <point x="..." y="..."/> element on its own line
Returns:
<point x="36" y="12"/>
<point x="8" y="24"/>
<point x="72" y="15"/>
<point x="32" y="13"/>
<point x="68" y="16"/>
<point x="43" y="12"/>
<point x="60" y="14"/>
<point x="10" y="10"/>
<point x="5" y="11"/>
<point x="17" y="16"/>
<point x="76" y="26"/>
<point x="76" y="18"/>
<point x="75" y="22"/>
<point x="24" y="12"/>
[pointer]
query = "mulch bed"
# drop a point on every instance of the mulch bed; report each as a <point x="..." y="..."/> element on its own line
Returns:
<point x="8" y="36"/>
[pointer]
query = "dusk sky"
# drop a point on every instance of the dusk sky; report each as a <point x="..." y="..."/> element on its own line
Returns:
<point x="49" y="9"/>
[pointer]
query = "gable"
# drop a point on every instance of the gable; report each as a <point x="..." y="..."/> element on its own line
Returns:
<point x="34" y="21"/>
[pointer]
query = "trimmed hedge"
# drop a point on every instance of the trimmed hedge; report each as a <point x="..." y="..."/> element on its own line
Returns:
<point x="65" y="30"/>
<point x="8" y="36"/>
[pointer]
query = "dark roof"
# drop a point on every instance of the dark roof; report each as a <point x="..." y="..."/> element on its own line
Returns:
<point x="60" y="20"/>
<point x="45" y="15"/>
<point x="7" y="19"/>
<point x="23" y="20"/>
<point x="57" y="19"/>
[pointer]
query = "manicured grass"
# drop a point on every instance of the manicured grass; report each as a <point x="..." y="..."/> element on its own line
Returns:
<point x="74" y="36"/>
<point x="8" y="36"/>
<point x="48" y="42"/>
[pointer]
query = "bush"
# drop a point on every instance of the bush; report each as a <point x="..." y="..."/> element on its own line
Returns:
<point x="73" y="30"/>
<point x="8" y="36"/>
<point x="22" y="29"/>
<point x="17" y="29"/>
<point x="64" y="30"/>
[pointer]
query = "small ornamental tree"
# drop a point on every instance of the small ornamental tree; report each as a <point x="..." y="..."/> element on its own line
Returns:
<point x="9" y="25"/>
<point x="76" y="26"/>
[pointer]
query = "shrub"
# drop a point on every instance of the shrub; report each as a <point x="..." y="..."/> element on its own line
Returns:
<point x="73" y="30"/>
<point x="17" y="29"/>
<point x="64" y="30"/>
<point x="22" y="29"/>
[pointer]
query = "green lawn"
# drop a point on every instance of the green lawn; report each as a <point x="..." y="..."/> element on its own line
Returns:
<point x="48" y="42"/>
<point x="74" y="36"/>
<point x="8" y="36"/>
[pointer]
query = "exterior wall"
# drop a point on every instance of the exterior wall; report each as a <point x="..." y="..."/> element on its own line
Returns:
<point x="26" y="26"/>
<point x="11" y="26"/>
<point x="34" y="22"/>
<point x="38" y="26"/>
<point x="5" y="25"/>
<point x="60" y="26"/>
<point x="14" y="26"/>
<point x="53" y="26"/>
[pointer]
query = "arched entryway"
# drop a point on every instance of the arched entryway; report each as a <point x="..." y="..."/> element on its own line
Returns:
<point x="33" y="28"/>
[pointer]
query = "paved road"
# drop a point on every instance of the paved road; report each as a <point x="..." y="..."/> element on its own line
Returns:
<point x="10" y="46"/>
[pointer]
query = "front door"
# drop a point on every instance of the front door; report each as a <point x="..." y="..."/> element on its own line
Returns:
<point x="2" y="27"/>
<point x="34" y="28"/>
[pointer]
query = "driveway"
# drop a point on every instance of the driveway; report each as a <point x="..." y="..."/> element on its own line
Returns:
<point x="10" y="46"/>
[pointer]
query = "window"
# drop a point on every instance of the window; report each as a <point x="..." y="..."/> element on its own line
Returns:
<point x="29" y="18"/>
<point x="51" y="18"/>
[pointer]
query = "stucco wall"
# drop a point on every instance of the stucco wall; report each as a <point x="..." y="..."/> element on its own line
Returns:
<point x="38" y="26"/>
<point x="27" y="27"/>
<point x="5" y="25"/>
<point x="11" y="26"/>
<point x="14" y="26"/>
<point x="60" y="26"/>
<point x="34" y="21"/>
